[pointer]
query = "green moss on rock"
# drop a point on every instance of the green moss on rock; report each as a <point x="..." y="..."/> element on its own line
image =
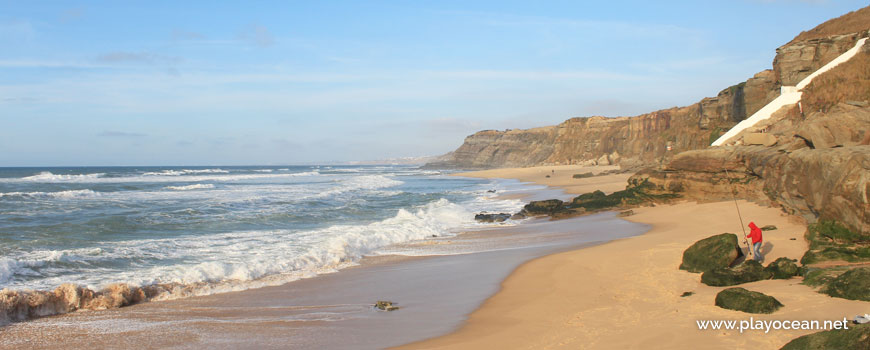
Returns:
<point x="815" y="277"/>
<point x="831" y="241"/>
<point x="744" y="300"/>
<point x="748" y="271"/>
<point x="637" y="192"/>
<point x="857" y="337"/>
<point x="782" y="268"/>
<point x="853" y="284"/>
<point x="545" y="207"/>
<point x="717" y="251"/>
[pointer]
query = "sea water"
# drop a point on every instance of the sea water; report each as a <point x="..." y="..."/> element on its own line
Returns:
<point x="221" y="228"/>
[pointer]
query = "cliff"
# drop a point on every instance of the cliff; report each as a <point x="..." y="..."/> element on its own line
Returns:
<point x="819" y="168"/>
<point x="654" y="138"/>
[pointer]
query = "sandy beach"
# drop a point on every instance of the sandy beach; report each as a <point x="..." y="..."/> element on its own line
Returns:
<point x="561" y="177"/>
<point x="626" y="294"/>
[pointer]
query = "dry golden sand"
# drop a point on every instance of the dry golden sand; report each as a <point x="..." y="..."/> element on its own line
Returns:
<point x="626" y="294"/>
<point x="560" y="176"/>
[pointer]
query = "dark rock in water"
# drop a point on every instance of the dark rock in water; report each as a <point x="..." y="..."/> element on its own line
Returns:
<point x="744" y="300"/>
<point x="518" y="216"/>
<point x="855" y="338"/>
<point x="565" y="213"/>
<point x="718" y="251"/>
<point x="687" y="294"/>
<point x="853" y="284"/>
<point x="768" y="228"/>
<point x="589" y="196"/>
<point x="490" y="191"/>
<point x="782" y="269"/>
<point x="583" y="175"/>
<point x="483" y="217"/>
<point x="545" y="207"/>
<point x="386" y="305"/>
<point x="623" y="214"/>
<point x="748" y="271"/>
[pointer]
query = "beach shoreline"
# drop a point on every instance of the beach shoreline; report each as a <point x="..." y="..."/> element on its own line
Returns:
<point x="627" y="293"/>
<point x="304" y="312"/>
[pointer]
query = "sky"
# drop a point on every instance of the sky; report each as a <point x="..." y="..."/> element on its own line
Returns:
<point x="104" y="83"/>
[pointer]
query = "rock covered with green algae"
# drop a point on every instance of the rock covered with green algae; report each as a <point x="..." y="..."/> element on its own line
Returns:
<point x="386" y="305"/>
<point x="853" y="284"/>
<point x="832" y="241"/>
<point x="748" y="271"/>
<point x="545" y="207"/>
<point x="782" y="268"/>
<point x="748" y="301"/>
<point x="717" y="251"/>
<point x="857" y="337"/>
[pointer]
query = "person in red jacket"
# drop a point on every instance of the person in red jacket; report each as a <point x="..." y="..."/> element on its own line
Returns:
<point x="755" y="234"/>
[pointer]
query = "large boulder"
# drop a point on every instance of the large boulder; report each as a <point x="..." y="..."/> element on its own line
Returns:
<point x="857" y="337"/>
<point x="717" y="251"/>
<point x="748" y="271"/>
<point x="545" y="207"/>
<point x="744" y="300"/>
<point x="484" y="217"/>
<point x="782" y="268"/>
<point x="853" y="284"/>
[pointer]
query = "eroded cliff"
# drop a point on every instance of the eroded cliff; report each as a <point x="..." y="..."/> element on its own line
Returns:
<point x="651" y="138"/>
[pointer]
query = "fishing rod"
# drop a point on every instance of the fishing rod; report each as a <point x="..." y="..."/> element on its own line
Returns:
<point x="734" y="196"/>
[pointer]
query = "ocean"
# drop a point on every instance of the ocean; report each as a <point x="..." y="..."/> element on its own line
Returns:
<point x="219" y="229"/>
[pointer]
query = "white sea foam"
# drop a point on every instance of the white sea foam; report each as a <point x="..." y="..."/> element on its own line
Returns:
<point x="190" y="187"/>
<point x="47" y="176"/>
<point x="365" y="182"/>
<point x="185" y="172"/>
<point x="244" y="259"/>
<point x="167" y="176"/>
<point x="71" y="194"/>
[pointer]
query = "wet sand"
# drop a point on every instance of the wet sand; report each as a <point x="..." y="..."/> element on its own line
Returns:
<point x="333" y="311"/>
<point x="626" y="294"/>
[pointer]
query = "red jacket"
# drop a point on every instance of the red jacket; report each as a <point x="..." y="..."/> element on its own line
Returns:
<point x="754" y="233"/>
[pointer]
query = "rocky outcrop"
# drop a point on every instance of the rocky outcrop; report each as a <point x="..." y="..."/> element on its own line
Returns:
<point x="643" y="139"/>
<point x="857" y="337"/>
<point x="489" y="218"/>
<point x="818" y="170"/>
<point x="651" y="138"/>
<point x="795" y="61"/>
<point x="853" y="284"/>
<point x="740" y="299"/>
<point x="748" y="271"/>
<point x="782" y="269"/>
<point x="713" y="252"/>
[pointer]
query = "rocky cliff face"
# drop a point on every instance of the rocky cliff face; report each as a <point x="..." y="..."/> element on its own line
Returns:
<point x="818" y="170"/>
<point x="796" y="61"/>
<point x="646" y="139"/>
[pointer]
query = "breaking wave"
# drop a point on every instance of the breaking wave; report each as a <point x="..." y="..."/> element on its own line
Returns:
<point x="165" y="176"/>
<point x="218" y="263"/>
<point x="185" y="172"/>
<point x="190" y="187"/>
<point x="72" y="194"/>
<point x="47" y="176"/>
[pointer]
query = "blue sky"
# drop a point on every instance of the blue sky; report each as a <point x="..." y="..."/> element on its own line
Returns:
<point x="290" y="82"/>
